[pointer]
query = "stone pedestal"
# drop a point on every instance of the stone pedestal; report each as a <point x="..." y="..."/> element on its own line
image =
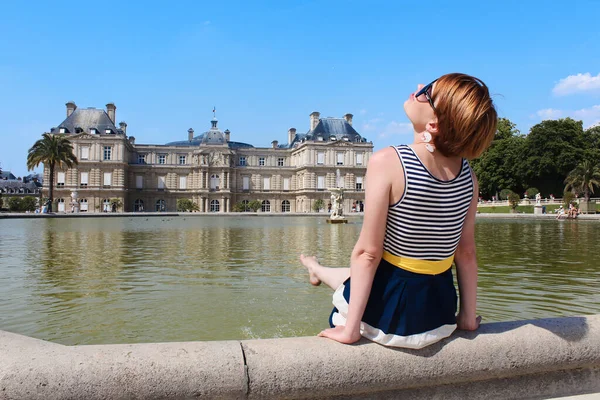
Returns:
<point x="538" y="210"/>
<point x="337" y="221"/>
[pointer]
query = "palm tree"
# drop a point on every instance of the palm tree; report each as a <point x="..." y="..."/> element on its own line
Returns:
<point x="53" y="151"/>
<point x="583" y="178"/>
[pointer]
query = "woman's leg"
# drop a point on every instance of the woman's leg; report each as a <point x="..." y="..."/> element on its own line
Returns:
<point x="332" y="277"/>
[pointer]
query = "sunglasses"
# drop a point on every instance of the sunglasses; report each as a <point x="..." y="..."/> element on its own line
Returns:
<point x="424" y="94"/>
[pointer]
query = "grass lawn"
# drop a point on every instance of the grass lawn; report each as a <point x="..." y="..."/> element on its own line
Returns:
<point x="521" y="209"/>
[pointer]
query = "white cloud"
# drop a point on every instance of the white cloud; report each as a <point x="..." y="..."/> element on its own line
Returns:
<point x="362" y="112"/>
<point x="577" y="83"/>
<point x="396" y="128"/>
<point x="588" y="113"/>
<point x="549" y="113"/>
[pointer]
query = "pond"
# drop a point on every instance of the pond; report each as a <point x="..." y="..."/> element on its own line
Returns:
<point x="157" y="279"/>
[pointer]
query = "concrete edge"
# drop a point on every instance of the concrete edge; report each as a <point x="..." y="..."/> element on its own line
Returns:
<point x="538" y="358"/>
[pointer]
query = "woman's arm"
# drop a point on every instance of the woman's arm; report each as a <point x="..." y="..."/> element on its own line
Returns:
<point x="465" y="259"/>
<point x="381" y="172"/>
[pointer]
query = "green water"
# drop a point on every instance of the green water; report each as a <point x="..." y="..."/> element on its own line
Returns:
<point x="156" y="279"/>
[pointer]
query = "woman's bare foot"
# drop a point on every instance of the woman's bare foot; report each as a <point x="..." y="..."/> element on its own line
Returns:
<point x="311" y="264"/>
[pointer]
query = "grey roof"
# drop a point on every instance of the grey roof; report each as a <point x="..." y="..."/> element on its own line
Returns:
<point x="7" y="175"/>
<point x="83" y="119"/>
<point x="329" y="128"/>
<point x="210" y="137"/>
<point x="14" y="186"/>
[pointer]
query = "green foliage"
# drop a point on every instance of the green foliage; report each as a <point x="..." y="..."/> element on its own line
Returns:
<point x="21" y="204"/>
<point x="254" y="205"/>
<point x="187" y="205"/>
<point x="513" y="200"/>
<point x="318" y="205"/>
<point x="504" y="193"/>
<point x="116" y="203"/>
<point x="240" y="207"/>
<point x="532" y="192"/>
<point x="14" y="203"/>
<point x="583" y="178"/>
<point x="568" y="198"/>
<point x="54" y="151"/>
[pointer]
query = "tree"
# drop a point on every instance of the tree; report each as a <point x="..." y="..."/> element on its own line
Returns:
<point x="568" y="198"/>
<point x="186" y="205"/>
<point x="514" y="200"/>
<point x="14" y="204"/>
<point x="28" y="203"/>
<point x="241" y="207"/>
<point x="583" y="178"/>
<point x="54" y="151"/>
<point x="504" y="193"/>
<point x="318" y="205"/>
<point x="532" y="192"/>
<point x="254" y="205"/>
<point x="116" y="203"/>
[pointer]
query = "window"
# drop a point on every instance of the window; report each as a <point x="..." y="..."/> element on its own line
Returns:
<point x="60" y="179"/>
<point x="319" y="138"/>
<point x="285" y="206"/>
<point x="141" y="159"/>
<point x="85" y="152"/>
<point x="214" y="182"/>
<point x="261" y="161"/>
<point x="214" y="206"/>
<point x="106" y="205"/>
<point x="359" y="183"/>
<point x="265" y="206"/>
<point x="340" y="158"/>
<point x="242" y="161"/>
<point x="183" y="182"/>
<point x="61" y="205"/>
<point x="107" y="153"/>
<point x="161" y="205"/>
<point x="139" y="181"/>
<point x="246" y="183"/>
<point x="320" y="158"/>
<point x="280" y="162"/>
<point x="83" y="205"/>
<point x="359" y="158"/>
<point x="181" y="160"/>
<point x="138" y="205"/>
<point x="63" y="130"/>
<point x="245" y="205"/>
<point x="107" y="179"/>
<point x="267" y="183"/>
<point x="93" y="131"/>
<point x="108" y="131"/>
<point x="162" y="158"/>
<point x="83" y="181"/>
<point x="286" y="183"/>
<point x="161" y="182"/>
<point x="320" y="182"/>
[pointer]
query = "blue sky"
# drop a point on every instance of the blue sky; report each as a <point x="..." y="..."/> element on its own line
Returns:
<point x="266" y="65"/>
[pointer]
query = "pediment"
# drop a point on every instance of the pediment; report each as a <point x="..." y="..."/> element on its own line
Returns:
<point x="85" y="136"/>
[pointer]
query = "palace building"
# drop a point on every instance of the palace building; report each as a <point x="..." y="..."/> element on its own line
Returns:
<point x="209" y="169"/>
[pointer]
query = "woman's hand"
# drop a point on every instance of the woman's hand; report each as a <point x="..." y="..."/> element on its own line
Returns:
<point x="341" y="334"/>
<point x="467" y="323"/>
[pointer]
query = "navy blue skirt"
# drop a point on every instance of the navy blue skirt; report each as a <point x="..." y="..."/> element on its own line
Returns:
<point x="405" y="309"/>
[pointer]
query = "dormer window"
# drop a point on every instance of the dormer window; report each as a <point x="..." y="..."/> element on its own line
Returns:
<point x="63" y="130"/>
<point x="346" y="139"/>
<point x="108" y="131"/>
<point x="93" y="131"/>
<point x="332" y="138"/>
<point x="319" y="138"/>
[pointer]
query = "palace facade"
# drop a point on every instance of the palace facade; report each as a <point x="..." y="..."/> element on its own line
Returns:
<point x="209" y="169"/>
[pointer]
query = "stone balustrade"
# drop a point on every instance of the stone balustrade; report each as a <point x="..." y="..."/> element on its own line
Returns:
<point x="522" y="359"/>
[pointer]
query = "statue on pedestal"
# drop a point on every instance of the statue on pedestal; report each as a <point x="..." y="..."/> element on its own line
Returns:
<point x="337" y="203"/>
<point x="538" y="199"/>
<point x="74" y="202"/>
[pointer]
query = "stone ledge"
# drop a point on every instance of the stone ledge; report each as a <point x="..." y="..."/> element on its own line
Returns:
<point x="521" y="359"/>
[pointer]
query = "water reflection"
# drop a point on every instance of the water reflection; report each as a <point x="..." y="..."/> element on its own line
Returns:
<point x="118" y="280"/>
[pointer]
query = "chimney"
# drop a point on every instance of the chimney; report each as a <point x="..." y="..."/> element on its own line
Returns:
<point x="190" y="134"/>
<point x="274" y="143"/>
<point x="314" y="120"/>
<point x="348" y="118"/>
<point x="110" y="110"/>
<point x="227" y="133"/>
<point x="70" y="107"/>
<point x="123" y="126"/>
<point x="291" y="135"/>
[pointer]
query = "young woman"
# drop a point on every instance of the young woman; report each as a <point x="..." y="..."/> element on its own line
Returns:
<point x="420" y="218"/>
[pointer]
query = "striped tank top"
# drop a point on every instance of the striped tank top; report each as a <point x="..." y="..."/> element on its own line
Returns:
<point x="424" y="227"/>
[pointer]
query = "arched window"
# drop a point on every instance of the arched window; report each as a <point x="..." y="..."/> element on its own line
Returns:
<point x="138" y="205"/>
<point x="214" y="182"/>
<point x="245" y="205"/>
<point x="285" y="206"/>
<point x="214" y="206"/>
<point x="61" y="205"/>
<point x="161" y="205"/>
<point x="83" y="207"/>
<point x="106" y="205"/>
<point x="266" y="206"/>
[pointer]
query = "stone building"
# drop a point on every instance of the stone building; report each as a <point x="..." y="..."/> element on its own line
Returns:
<point x="210" y="169"/>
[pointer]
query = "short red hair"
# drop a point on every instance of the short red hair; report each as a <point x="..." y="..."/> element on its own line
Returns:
<point x="466" y="116"/>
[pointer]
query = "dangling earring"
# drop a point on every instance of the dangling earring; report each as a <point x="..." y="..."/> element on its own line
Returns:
<point x="426" y="138"/>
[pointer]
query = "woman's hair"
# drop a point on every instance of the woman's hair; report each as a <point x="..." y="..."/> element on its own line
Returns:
<point x="466" y="116"/>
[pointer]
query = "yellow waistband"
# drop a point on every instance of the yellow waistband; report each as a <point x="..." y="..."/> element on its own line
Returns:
<point x="419" y="266"/>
